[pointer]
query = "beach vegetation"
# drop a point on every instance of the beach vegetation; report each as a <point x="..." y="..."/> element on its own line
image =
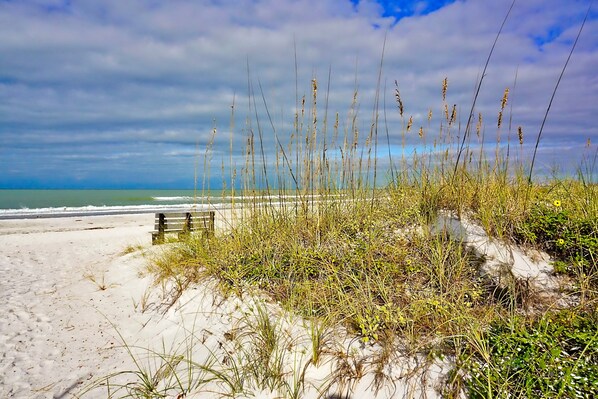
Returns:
<point x="99" y="282"/>
<point x="554" y="356"/>
<point x="129" y="249"/>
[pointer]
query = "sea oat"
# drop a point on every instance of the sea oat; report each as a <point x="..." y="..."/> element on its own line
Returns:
<point x="302" y="106"/>
<point x="520" y="134"/>
<point x="314" y="84"/>
<point x="444" y="87"/>
<point x="503" y="104"/>
<point x="505" y="97"/>
<point x="453" y="114"/>
<point x="398" y="97"/>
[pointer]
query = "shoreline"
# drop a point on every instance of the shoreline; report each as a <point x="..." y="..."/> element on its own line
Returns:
<point x="36" y="214"/>
<point x="56" y="215"/>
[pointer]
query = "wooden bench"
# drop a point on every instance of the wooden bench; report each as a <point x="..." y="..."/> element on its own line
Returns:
<point x="182" y="223"/>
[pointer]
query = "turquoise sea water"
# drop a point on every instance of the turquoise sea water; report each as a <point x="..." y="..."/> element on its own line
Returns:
<point x="45" y="203"/>
<point x="15" y="199"/>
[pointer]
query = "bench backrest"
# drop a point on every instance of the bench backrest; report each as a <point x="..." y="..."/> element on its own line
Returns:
<point x="184" y="221"/>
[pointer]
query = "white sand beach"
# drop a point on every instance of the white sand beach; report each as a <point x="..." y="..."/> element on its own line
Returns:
<point x="71" y="294"/>
<point x="55" y="329"/>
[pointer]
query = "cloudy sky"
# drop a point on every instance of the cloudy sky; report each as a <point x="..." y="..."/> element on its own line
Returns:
<point x="126" y="93"/>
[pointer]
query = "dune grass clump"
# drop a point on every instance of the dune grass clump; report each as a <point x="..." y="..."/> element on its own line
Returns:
<point x="364" y="267"/>
<point x="381" y="269"/>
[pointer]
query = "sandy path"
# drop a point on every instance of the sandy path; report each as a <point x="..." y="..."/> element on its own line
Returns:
<point x="53" y="332"/>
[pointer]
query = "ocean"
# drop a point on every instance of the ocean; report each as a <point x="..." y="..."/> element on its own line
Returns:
<point x="17" y="204"/>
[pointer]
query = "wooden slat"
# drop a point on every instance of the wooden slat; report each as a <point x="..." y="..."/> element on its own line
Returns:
<point x="168" y="225"/>
<point x="169" y="215"/>
<point x="173" y="217"/>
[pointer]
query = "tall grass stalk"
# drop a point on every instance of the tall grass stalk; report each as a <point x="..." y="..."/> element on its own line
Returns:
<point x="556" y="86"/>
<point x="479" y="87"/>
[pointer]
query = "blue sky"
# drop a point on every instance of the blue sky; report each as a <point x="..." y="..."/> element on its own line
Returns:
<point x="120" y="94"/>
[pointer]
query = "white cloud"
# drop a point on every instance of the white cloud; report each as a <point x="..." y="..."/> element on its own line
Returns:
<point x="119" y="73"/>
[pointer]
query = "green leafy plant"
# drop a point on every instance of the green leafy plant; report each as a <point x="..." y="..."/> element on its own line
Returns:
<point x="553" y="357"/>
<point x="571" y="238"/>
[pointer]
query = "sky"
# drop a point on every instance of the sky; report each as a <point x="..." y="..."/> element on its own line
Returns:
<point x="127" y="93"/>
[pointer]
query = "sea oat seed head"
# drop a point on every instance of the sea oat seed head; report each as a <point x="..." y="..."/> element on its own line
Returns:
<point x="302" y="105"/>
<point x="453" y="114"/>
<point x="421" y="132"/>
<point x="429" y="114"/>
<point x="520" y="134"/>
<point x="398" y="98"/>
<point x="505" y="97"/>
<point x="444" y="87"/>
<point x="410" y="123"/>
